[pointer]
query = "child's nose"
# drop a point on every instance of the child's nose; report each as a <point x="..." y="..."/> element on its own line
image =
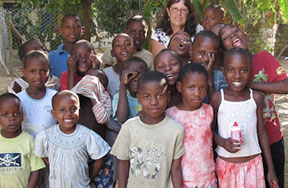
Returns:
<point x="154" y="101"/>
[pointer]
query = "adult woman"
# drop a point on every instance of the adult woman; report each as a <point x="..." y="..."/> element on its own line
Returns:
<point x="177" y="17"/>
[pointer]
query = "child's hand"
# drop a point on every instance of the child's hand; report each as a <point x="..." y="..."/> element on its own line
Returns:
<point x="95" y="61"/>
<point x="127" y="76"/>
<point x="71" y="63"/>
<point x="208" y="61"/>
<point x="231" y="145"/>
<point x="92" y="185"/>
<point x="272" y="179"/>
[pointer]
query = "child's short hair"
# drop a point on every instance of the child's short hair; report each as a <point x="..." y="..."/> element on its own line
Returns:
<point x="35" y="54"/>
<point x="192" y="68"/>
<point x="240" y="51"/>
<point x="22" y="51"/>
<point x="61" y="93"/>
<point x="151" y="76"/>
<point x="133" y="59"/>
<point x="123" y="34"/>
<point x="137" y="18"/>
<point x="178" y="33"/>
<point x="85" y="42"/>
<point x="6" y="96"/>
<point x="69" y="15"/>
<point x="206" y="33"/>
<point x="164" y="51"/>
<point x="218" y="7"/>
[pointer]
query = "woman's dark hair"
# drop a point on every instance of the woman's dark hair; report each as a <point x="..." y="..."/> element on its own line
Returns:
<point x="190" y="26"/>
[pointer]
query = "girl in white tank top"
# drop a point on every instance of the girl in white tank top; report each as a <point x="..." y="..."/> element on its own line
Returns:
<point x="240" y="164"/>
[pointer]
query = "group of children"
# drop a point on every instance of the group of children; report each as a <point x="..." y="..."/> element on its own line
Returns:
<point x="163" y="116"/>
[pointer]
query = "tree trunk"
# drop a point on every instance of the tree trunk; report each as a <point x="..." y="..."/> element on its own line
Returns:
<point x="86" y="5"/>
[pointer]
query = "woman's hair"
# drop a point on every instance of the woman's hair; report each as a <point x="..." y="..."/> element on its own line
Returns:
<point x="190" y="26"/>
<point x="193" y="68"/>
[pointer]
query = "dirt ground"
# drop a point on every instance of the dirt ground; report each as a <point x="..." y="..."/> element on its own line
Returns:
<point x="281" y="105"/>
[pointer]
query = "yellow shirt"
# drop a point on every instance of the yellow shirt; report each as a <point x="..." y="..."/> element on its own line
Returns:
<point x="17" y="161"/>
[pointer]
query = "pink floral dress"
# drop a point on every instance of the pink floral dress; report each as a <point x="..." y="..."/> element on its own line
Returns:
<point x="197" y="163"/>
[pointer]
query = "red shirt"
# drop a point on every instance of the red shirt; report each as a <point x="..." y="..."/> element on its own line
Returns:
<point x="64" y="80"/>
<point x="266" y="68"/>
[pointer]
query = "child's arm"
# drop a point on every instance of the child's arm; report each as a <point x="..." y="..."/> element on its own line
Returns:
<point x="208" y="64"/>
<point x="122" y="112"/>
<point x="33" y="179"/>
<point x="96" y="168"/>
<point x="280" y="87"/>
<point x="176" y="173"/>
<point x="263" y="139"/>
<point x="228" y="143"/>
<point x="71" y="64"/>
<point x="123" y="171"/>
<point x="45" y="159"/>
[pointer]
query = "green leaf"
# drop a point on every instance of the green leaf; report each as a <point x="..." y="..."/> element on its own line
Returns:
<point x="284" y="8"/>
<point x="233" y="10"/>
<point x="198" y="8"/>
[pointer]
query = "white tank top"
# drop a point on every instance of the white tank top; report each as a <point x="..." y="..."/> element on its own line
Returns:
<point x="244" y="113"/>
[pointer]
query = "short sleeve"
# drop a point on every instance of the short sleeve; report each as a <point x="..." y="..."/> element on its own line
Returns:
<point x="160" y="36"/>
<point x="121" y="147"/>
<point x="96" y="146"/>
<point x="179" y="147"/>
<point x="115" y="104"/>
<point x="64" y="81"/>
<point x="36" y="163"/>
<point x="41" y="145"/>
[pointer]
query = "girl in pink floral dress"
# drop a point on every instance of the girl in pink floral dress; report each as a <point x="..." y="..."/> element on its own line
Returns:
<point x="197" y="163"/>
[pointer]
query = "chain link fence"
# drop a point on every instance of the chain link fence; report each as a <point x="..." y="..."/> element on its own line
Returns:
<point x="19" y="24"/>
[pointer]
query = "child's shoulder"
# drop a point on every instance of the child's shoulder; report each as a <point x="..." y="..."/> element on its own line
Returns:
<point x="258" y="96"/>
<point x="23" y="138"/>
<point x="215" y="99"/>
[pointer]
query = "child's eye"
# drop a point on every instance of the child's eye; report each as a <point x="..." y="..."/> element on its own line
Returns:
<point x="160" y="67"/>
<point x="203" y="88"/>
<point x="244" y="70"/>
<point x="43" y="71"/>
<point x="32" y="71"/>
<point x="146" y="97"/>
<point x="142" y="32"/>
<point x="16" y="114"/>
<point x="230" y="70"/>
<point x="74" y="109"/>
<point x="191" y="87"/>
<point x="4" y="115"/>
<point x="201" y="52"/>
<point x="160" y="96"/>
<point x="62" y="110"/>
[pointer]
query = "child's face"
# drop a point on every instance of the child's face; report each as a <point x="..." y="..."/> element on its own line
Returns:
<point x="168" y="64"/>
<point x="153" y="96"/>
<point x="193" y="90"/>
<point x="137" y="31"/>
<point x="237" y="71"/>
<point x="10" y="117"/>
<point x="233" y="37"/>
<point x="122" y="48"/>
<point x="66" y="112"/>
<point x="202" y="47"/>
<point x="211" y="17"/>
<point x="138" y="68"/>
<point x="36" y="72"/>
<point x="181" y="44"/>
<point x="83" y="53"/>
<point x="71" y="29"/>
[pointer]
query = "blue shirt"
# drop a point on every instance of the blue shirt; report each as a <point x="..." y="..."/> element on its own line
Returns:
<point x="219" y="80"/>
<point x="58" y="59"/>
<point x="134" y="106"/>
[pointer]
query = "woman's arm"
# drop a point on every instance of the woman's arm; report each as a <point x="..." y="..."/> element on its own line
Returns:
<point x="264" y="140"/>
<point x="176" y="173"/>
<point x="123" y="171"/>
<point x="156" y="47"/>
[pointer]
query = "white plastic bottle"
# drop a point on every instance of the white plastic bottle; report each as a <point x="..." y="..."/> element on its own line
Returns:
<point x="236" y="133"/>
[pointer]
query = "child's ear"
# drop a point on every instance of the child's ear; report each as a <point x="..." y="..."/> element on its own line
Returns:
<point x="179" y="86"/>
<point x="23" y="71"/>
<point x="82" y="30"/>
<point x="53" y="113"/>
<point x="112" y="53"/>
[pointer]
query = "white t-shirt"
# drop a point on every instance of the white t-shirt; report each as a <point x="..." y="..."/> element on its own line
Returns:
<point x="37" y="112"/>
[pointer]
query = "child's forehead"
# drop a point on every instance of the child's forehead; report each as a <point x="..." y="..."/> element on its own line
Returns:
<point x="122" y="38"/>
<point x="70" y="19"/>
<point x="36" y="61"/>
<point x="153" y="86"/>
<point x="213" y="11"/>
<point x="64" y="98"/>
<point x="81" y="47"/>
<point x="135" y="23"/>
<point x="10" y="103"/>
<point x="199" y="41"/>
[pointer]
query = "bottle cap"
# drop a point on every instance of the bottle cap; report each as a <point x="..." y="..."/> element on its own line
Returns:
<point x="235" y="124"/>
